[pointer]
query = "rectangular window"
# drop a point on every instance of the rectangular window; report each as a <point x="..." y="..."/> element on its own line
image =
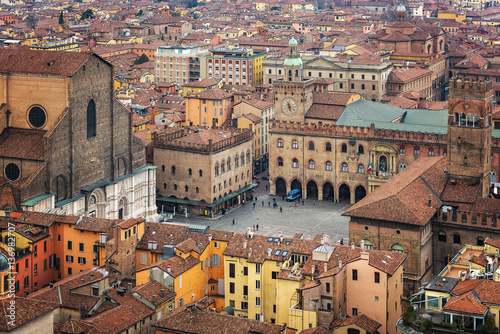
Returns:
<point x="69" y="258"/>
<point x="274" y="274"/>
<point x="354" y="274"/>
<point x="377" y="277"/>
<point x="231" y="287"/>
<point x="232" y="270"/>
<point x="26" y="267"/>
<point x="352" y="86"/>
<point x="231" y="303"/>
<point x="45" y="265"/>
<point x="327" y="287"/>
<point x="45" y="246"/>
<point x="81" y="248"/>
<point x="81" y="260"/>
<point x="245" y="271"/>
<point x="36" y="251"/>
<point x="257" y="268"/>
<point x="35" y="269"/>
<point x="257" y="285"/>
<point x="144" y="258"/>
<point x="70" y="271"/>
<point x="341" y="85"/>
<point x="354" y="312"/>
<point x="244" y="305"/>
<point x="257" y="301"/>
<point x="433" y="301"/>
<point x="58" y="238"/>
<point x="70" y="245"/>
<point x="245" y="290"/>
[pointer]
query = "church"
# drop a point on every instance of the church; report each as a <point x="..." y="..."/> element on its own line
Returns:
<point x="66" y="144"/>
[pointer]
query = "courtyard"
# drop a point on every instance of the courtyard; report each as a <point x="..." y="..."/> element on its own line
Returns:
<point x="310" y="218"/>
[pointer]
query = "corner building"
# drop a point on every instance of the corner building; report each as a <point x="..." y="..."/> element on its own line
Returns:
<point x="66" y="144"/>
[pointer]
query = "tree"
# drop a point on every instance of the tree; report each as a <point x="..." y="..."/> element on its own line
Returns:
<point x="408" y="315"/>
<point x="141" y="60"/>
<point x="61" y="18"/>
<point x="88" y="14"/>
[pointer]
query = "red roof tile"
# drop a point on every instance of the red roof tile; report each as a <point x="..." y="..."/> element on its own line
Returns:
<point x="466" y="303"/>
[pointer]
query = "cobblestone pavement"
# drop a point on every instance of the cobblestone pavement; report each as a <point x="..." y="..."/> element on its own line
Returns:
<point x="312" y="218"/>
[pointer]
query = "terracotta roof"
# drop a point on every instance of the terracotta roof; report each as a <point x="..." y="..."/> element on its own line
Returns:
<point x="22" y="143"/>
<point x="492" y="242"/>
<point x="479" y="260"/>
<point x="404" y="198"/>
<point x="465" y="286"/>
<point x="26" y="310"/>
<point x="175" y="266"/>
<point x="396" y="37"/>
<point x="193" y="320"/>
<point x="488" y="292"/>
<point x="364" y="322"/>
<point x="404" y="75"/>
<point x="74" y="326"/>
<point x="403" y="102"/>
<point x="315" y="330"/>
<point x="466" y="303"/>
<point x="128" y="223"/>
<point x="129" y="311"/>
<point x="325" y="111"/>
<point x="332" y="98"/>
<point x="202" y="83"/>
<point x="212" y="94"/>
<point x="154" y="288"/>
<point x="189" y="245"/>
<point x="253" y="118"/>
<point x="59" y="63"/>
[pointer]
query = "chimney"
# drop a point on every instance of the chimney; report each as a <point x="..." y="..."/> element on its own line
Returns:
<point x="313" y="269"/>
<point x="169" y="269"/>
<point x="162" y="293"/>
<point x="129" y="288"/>
<point x="92" y="276"/>
<point x="154" y="299"/>
<point x="326" y="238"/>
<point x="340" y="263"/>
<point x="364" y="256"/>
<point x="280" y="234"/>
<point x="362" y="244"/>
<point x="325" y="266"/>
<point x="269" y="252"/>
<point x="249" y="251"/>
<point x="352" y="245"/>
<point x="322" y="240"/>
<point x="430" y="201"/>
<point x="83" y="280"/>
<point x="244" y="243"/>
<point x="308" y="237"/>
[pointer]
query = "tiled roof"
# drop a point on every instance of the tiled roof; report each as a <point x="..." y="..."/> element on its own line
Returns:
<point x="212" y="94"/>
<point x="466" y="303"/>
<point x="189" y="245"/>
<point x="74" y="326"/>
<point x="315" y="330"/>
<point x="404" y="75"/>
<point x="253" y="118"/>
<point x="339" y="99"/>
<point x="26" y="310"/>
<point x="492" y="242"/>
<point x="175" y="266"/>
<point x="325" y="111"/>
<point x="202" y="83"/>
<point x="203" y="137"/>
<point x="129" y="311"/>
<point x="488" y="292"/>
<point x="22" y="143"/>
<point x="364" y="322"/>
<point x="153" y="288"/>
<point x="479" y="260"/>
<point x="59" y="63"/>
<point x="193" y="320"/>
<point x="404" y="198"/>
<point x="128" y="223"/>
<point x="403" y="102"/>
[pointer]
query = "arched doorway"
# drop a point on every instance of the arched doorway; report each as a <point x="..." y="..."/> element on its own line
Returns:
<point x="328" y="192"/>
<point x="344" y="193"/>
<point x="359" y="193"/>
<point x="296" y="184"/>
<point x="312" y="190"/>
<point x="280" y="187"/>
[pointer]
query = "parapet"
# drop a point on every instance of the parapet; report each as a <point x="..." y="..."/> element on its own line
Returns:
<point x="470" y="86"/>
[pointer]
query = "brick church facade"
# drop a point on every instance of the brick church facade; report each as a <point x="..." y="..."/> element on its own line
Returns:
<point x="66" y="144"/>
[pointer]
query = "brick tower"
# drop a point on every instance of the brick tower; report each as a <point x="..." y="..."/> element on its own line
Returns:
<point x="469" y="130"/>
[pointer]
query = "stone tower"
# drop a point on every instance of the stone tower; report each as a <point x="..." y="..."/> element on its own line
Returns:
<point x="469" y="130"/>
<point x="294" y="94"/>
<point x="401" y="13"/>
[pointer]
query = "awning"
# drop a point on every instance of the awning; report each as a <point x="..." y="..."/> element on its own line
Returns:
<point x="160" y="199"/>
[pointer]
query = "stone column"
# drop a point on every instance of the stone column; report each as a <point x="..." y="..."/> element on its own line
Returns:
<point x="320" y="193"/>
<point x="353" y="196"/>
<point x="304" y="191"/>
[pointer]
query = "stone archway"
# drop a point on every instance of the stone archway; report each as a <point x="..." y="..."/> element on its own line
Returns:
<point x="97" y="204"/>
<point x="280" y="187"/>
<point x="344" y="193"/>
<point x="312" y="190"/>
<point x="296" y="185"/>
<point x="359" y="193"/>
<point x="328" y="192"/>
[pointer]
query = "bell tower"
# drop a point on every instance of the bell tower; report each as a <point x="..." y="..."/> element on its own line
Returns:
<point x="294" y="94"/>
<point x="469" y="130"/>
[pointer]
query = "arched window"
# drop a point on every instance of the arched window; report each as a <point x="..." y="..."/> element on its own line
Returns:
<point x="361" y="149"/>
<point x="190" y="171"/>
<point x="456" y="119"/>
<point x="382" y="163"/>
<point x="442" y="236"/>
<point x="175" y="187"/>
<point x="345" y="168"/>
<point x="476" y="121"/>
<point x="164" y="186"/>
<point x="463" y="119"/>
<point x="248" y="157"/>
<point x="229" y="164"/>
<point x="201" y="173"/>
<point x="328" y="147"/>
<point x="186" y="188"/>
<point x="236" y="161"/>
<point x="197" y="190"/>
<point x="397" y="248"/>
<point x="280" y="161"/>
<point x="217" y="170"/>
<point x="361" y="169"/>
<point x="344" y="148"/>
<point x="280" y="142"/>
<point x="242" y="159"/>
<point x="91" y="120"/>
<point x="328" y="166"/>
<point x="173" y="170"/>
<point x="222" y="167"/>
<point x="60" y="187"/>
<point x="456" y="239"/>
<point x="295" y="163"/>
<point x="464" y="218"/>
<point x="215" y="188"/>
<point x="311" y="164"/>
<point x="368" y="244"/>
<point x="311" y="146"/>
<point x="480" y="241"/>
<point x="295" y="144"/>
<point x="162" y="168"/>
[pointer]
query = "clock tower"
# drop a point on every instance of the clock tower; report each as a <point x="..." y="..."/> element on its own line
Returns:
<point x="294" y="94"/>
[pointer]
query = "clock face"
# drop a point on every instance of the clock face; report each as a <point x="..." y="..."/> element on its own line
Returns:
<point x="289" y="107"/>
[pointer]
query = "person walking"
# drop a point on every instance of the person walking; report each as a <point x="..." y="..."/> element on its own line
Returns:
<point x="233" y="221"/>
<point x="314" y="202"/>
<point x="254" y="205"/>
<point x="302" y="201"/>
<point x="262" y="203"/>
<point x="266" y="186"/>
<point x="281" y="209"/>
<point x="283" y="197"/>
<point x="295" y="203"/>
<point x="269" y="203"/>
